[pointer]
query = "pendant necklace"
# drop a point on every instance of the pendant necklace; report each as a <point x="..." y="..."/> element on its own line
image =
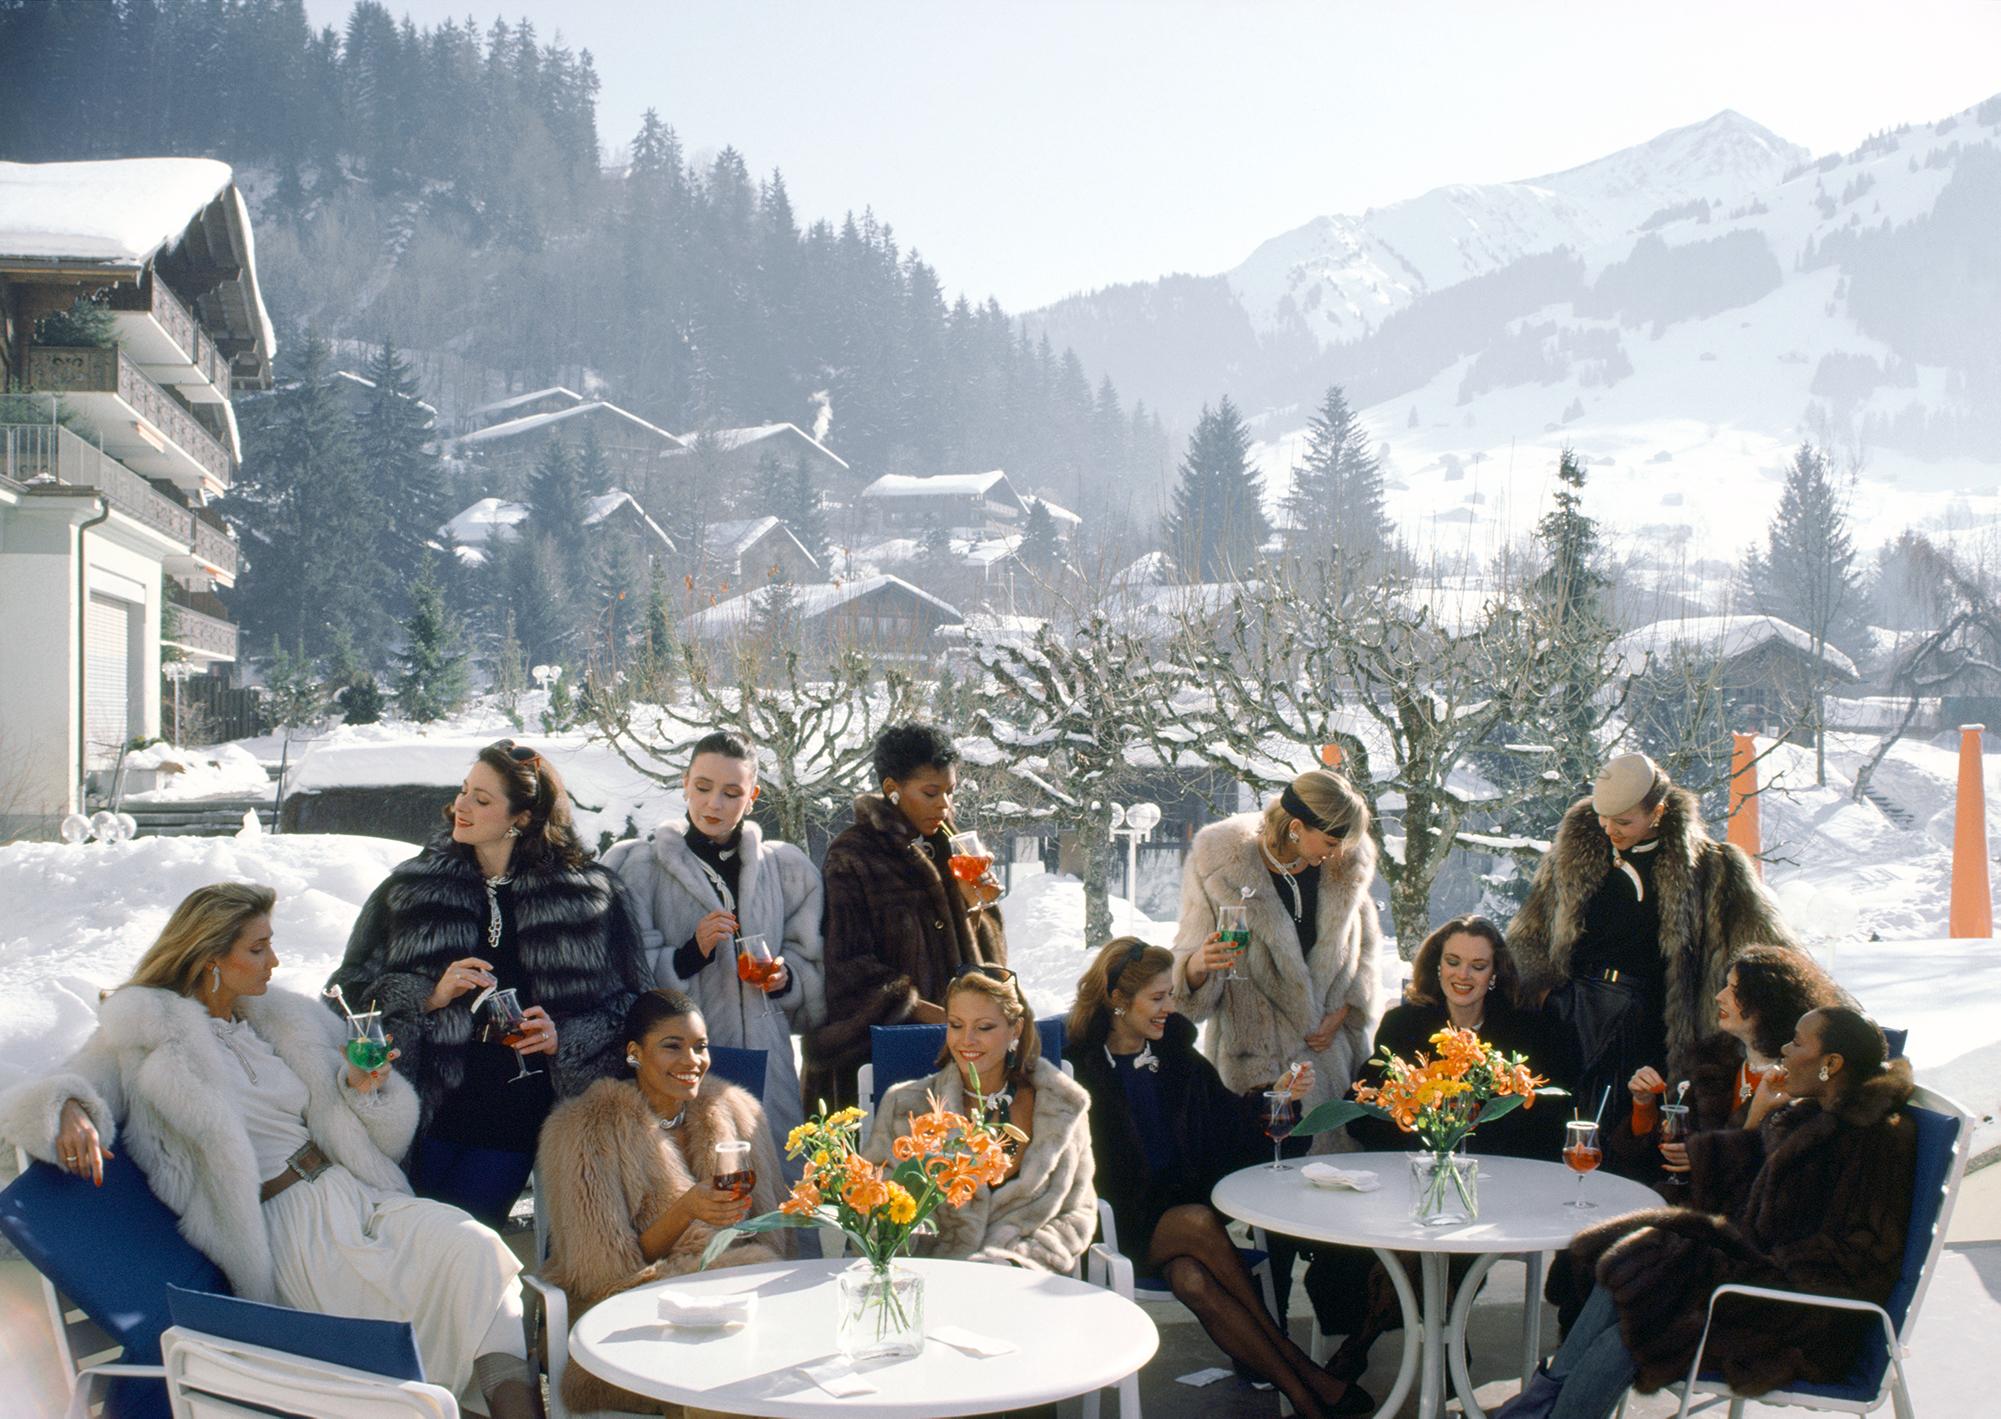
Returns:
<point x="1284" y="875"/>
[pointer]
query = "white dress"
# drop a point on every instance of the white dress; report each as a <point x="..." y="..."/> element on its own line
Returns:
<point x="344" y="1247"/>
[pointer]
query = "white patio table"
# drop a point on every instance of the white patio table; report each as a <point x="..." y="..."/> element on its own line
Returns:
<point x="1521" y="1214"/>
<point x="1071" y="1338"/>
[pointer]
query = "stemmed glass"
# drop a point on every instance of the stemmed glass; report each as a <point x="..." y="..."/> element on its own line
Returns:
<point x="1582" y="1154"/>
<point x="972" y="863"/>
<point x="756" y="965"/>
<point x="512" y="1021"/>
<point x="367" y="1046"/>
<point x="734" y="1174"/>
<point x="1233" y="924"/>
<point x="1281" y="1114"/>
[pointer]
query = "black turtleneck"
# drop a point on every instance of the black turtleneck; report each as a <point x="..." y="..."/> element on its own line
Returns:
<point x="726" y="861"/>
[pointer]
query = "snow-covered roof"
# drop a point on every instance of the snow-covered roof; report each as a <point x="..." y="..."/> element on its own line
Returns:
<point x="363" y="382"/>
<point x="812" y="602"/>
<point x="514" y="428"/>
<point x="727" y="541"/>
<point x="499" y="406"/>
<point x="1057" y="512"/>
<point x="485" y="520"/>
<point x="731" y="440"/>
<point x="1725" y="637"/>
<point x="936" y="485"/>
<point x="605" y="504"/>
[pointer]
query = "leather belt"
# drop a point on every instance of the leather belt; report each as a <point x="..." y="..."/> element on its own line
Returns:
<point x="303" y="1166"/>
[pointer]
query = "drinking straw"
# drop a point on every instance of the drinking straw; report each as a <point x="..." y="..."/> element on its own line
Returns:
<point x="1599" y="1116"/>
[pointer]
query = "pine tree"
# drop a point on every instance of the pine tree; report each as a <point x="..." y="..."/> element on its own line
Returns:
<point x="529" y="576"/>
<point x="510" y="675"/>
<point x="1336" y="501"/>
<point x="593" y="468"/>
<point x="795" y="502"/>
<point x="658" y="645"/>
<point x="391" y="437"/>
<point x="434" y="681"/>
<point x="355" y="691"/>
<point x="294" y="692"/>
<point x="86" y="323"/>
<point x="617" y="573"/>
<point x="1217" y="523"/>
<point x="1040" y="547"/>
<point x="1571" y="591"/>
<point x="556" y="492"/>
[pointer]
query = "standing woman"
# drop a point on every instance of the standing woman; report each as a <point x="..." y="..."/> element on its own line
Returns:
<point x="505" y="899"/>
<point x="1307" y="984"/>
<point x="700" y="884"/>
<point x="898" y="926"/>
<point x="1630" y="925"/>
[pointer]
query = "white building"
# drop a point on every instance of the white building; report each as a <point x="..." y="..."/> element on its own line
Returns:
<point x="110" y="454"/>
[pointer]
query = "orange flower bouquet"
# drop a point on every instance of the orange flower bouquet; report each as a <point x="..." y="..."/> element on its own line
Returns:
<point x="879" y="1207"/>
<point x="1441" y="1100"/>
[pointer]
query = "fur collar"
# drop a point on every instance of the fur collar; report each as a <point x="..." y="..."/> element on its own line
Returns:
<point x="1681" y="835"/>
<point x="1872" y="1102"/>
<point x="678" y="861"/>
<point x="883" y="818"/>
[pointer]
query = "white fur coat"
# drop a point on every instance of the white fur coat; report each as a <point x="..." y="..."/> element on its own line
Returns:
<point x="156" y="1081"/>
<point x="1259" y="1025"/>
<point x="778" y="897"/>
<point x="1046" y="1214"/>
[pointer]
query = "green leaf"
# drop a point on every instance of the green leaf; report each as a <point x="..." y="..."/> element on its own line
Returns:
<point x="1497" y="1107"/>
<point x="768" y="1222"/>
<point x="1334" y="1114"/>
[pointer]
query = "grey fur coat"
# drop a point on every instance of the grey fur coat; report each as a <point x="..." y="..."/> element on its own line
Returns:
<point x="156" y="1081"/>
<point x="1046" y="1214"/>
<point x="1711" y="902"/>
<point x="1259" y="1025"/>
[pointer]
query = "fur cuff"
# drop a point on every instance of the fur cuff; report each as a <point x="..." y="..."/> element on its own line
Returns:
<point x="31" y="1113"/>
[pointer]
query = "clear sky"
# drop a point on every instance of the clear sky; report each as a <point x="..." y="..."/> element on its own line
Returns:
<point x="1038" y="147"/>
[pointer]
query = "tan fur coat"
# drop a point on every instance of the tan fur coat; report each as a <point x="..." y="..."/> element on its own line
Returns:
<point x="1260" y="1024"/>
<point x="1045" y="1215"/>
<point x="608" y="1170"/>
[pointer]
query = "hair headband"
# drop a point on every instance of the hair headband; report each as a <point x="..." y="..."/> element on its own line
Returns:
<point x="1295" y="805"/>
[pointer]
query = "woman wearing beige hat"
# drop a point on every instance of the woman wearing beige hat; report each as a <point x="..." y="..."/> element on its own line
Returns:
<point x="1631" y="922"/>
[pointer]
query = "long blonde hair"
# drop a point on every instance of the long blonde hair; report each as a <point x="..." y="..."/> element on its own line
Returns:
<point x="1329" y="797"/>
<point x="1006" y="996"/>
<point x="200" y="933"/>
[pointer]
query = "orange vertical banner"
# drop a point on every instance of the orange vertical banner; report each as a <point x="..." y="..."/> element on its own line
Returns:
<point x="1744" y="828"/>
<point x="1972" y="912"/>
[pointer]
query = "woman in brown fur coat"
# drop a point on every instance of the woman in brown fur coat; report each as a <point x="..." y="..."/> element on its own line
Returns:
<point x="1816" y="1200"/>
<point x="1630" y="925"/>
<point x="628" y="1168"/>
<point x="897" y="925"/>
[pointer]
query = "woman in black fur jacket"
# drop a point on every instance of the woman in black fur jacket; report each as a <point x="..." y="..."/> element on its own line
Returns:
<point x="506" y="898"/>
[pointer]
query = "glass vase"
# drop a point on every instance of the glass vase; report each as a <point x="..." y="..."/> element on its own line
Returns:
<point x="881" y="1312"/>
<point x="1444" y="1189"/>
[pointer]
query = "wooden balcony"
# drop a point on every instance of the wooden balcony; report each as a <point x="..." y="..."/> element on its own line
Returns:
<point x="166" y="341"/>
<point x="215" y="551"/>
<point x="139" y="423"/>
<point x="205" y="638"/>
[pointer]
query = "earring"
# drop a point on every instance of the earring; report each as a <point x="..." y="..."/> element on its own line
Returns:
<point x="513" y="832"/>
<point x="214" y="979"/>
<point x="1010" y="1056"/>
<point x="632" y="1061"/>
<point x="1491" y="985"/>
<point x="1118" y="1010"/>
<point x="896" y="795"/>
<point x="1823" y="1074"/>
<point x="1293" y="835"/>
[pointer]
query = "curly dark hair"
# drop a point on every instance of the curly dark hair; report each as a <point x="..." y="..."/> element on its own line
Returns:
<point x="1775" y="986"/>
<point x="1423" y="988"/>
<point x="534" y="787"/>
<point x="904" y="748"/>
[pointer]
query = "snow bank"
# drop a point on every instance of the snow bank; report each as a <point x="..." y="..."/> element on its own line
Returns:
<point x="228" y="770"/>
<point x="120" y="211"/>
<point x="1044" y="915"/>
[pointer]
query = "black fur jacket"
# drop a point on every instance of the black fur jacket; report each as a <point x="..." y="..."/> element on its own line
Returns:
<point x="579" y="948"/>
<point x="1814" y="1200"/>
<point x="1712" y="905"/>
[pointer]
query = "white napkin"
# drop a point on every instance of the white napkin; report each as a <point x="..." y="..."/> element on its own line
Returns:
<point x="837" y="1377"/>
<point x="959" y="1338"/>
<point x="1203" y="1377"/>
<point x="680" y="1308"/>
<point x="1353" y="1179"/>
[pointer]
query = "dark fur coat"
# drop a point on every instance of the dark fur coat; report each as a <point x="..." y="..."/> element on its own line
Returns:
<point x="578" y="943"/>
<point x="1711" y="903"/>
<point x="896" y="931"/>
<point x="1815" y="1201"/>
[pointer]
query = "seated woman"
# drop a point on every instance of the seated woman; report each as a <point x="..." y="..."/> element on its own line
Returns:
<point x="629" y="1176"/>
<point x="1044" y="1215"/>
<point x="1164" y="1130"/>
<point x="1817" y="1199"/>
<point x="279" y="1157"/>
<point x="1767" y="990"/>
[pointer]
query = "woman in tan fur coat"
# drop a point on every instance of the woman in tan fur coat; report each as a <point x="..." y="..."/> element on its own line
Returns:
<point x="628" y="1168"/>
<point x="1044" y="1214"/>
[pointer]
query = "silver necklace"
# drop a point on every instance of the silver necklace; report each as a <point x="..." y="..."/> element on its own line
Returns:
<point x="229" y="1032"/>
<point x="493" y="886"/>
<point x="1285" y="875"/>
<point x="674" y="1122"/>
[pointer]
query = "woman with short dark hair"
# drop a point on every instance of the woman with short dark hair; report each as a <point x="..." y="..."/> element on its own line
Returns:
<point x="898" y="926"/>
<point x="504" y="898"/>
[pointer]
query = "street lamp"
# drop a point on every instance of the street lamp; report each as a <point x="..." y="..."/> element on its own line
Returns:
<point x="177" y="671"/>
<point x="1135" y="824"/>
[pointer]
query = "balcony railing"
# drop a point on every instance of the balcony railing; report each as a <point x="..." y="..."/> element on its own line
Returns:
<point x="199" y="633"/>
<point x="72" y="370"/>
<point x="31" y="451"/>
<point x="212" y="545"/>
<point x="156" y="299"/>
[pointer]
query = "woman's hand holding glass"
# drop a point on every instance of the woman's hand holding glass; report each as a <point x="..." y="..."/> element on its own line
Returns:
<point x="541" y="1032"/>
<point x="1216" y="955"/>
<point x="79" y="1150"/>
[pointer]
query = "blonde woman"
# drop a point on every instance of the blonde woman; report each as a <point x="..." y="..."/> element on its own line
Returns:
<point x="278" y="1156"/>
<point x="1306" y="985"/>
<point x="1044" y="1214"/>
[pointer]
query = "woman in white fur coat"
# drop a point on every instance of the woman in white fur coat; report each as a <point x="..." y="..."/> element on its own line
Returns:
<point x="1045" y="1213"/>
<point x="278" y="1156"/>
<point x="1306" y="986"/>
<point x="698" y="884"/>
<point x="628" y="1171"/>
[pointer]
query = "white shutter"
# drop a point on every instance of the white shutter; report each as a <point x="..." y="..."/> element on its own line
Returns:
<point x="107" y="680"/>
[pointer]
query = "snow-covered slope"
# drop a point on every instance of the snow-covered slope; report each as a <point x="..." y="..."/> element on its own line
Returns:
<point x="1341" y="275"/>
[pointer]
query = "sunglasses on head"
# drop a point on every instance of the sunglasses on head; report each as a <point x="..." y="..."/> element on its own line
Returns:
<point x="999" y="973"/>
<point x="1132" y="958"/>
<point x="520" y="753"/>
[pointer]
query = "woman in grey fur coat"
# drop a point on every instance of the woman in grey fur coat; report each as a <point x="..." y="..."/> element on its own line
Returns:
<point x="507" y="900"/>
<point x="700" y="884"/>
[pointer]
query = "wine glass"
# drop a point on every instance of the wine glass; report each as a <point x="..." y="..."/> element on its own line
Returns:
<point x="972" y="863"/>
<point x="1674" y="1129"/>
<point x="756" y="965"/>
<point x="734" y="1174"/>
<point x="1281" y="1114"/>
<point x="1233" y="924"/>
<point x="367" y="1046"/>
<point x="505" y="1008"/>
<point x="1582" y="1154"/>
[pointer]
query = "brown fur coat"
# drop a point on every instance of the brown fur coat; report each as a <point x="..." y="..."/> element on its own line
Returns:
<point x="608" y="1171"/>
<point x="1815" y="1200"/>
<point x="1260" y="1025"/>
<point x="896" y="930"/>
<point x="1712" y="905"/>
